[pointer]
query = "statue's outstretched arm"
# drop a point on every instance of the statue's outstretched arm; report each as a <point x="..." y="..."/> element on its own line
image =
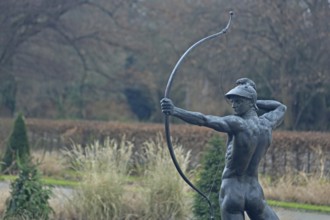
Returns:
<point x="227" y="124"/>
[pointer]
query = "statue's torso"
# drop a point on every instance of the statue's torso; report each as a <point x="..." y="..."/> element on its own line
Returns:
<point x="246" y="148"/>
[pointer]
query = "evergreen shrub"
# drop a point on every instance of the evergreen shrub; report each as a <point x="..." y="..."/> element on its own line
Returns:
<point x="17" y="147"/>
<point x="209" y="179"/>
<point x="28" y="197"/>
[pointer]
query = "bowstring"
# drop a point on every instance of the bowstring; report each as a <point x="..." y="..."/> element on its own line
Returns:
<point x="221" y="87"/>
<point x="221" y="74"/>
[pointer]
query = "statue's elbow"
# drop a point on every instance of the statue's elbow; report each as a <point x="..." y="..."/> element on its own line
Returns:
<point x="283" y="108"/>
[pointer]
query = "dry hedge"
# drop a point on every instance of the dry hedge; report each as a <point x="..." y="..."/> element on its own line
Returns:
<point x="298" y="152"/>
<point x="290" y="151"/>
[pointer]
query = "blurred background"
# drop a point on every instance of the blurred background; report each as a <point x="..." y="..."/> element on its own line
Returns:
<point x="110" y="60"/>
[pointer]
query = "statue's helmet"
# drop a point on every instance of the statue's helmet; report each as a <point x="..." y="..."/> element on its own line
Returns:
<point x="245" y="88"/>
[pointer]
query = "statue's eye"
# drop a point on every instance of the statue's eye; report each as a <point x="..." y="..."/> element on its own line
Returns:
<point x="236" y="101"/>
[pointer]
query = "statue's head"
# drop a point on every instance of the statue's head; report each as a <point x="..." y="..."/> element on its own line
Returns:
<point x="245" y="88"/>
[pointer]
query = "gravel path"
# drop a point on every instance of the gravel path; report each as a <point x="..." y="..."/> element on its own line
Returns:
<point x="289" y="214"/>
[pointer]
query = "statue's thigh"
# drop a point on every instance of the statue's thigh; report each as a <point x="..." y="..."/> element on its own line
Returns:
<point x="255" y="202"/>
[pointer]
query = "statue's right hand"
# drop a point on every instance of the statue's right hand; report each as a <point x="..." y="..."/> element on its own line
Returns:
<point x="167" y="106"/>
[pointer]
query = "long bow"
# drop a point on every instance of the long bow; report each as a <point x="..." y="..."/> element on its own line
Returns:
<point x="167" y="124"/>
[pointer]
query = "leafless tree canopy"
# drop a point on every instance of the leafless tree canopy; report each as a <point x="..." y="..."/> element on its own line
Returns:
<point x="110" y="59"/>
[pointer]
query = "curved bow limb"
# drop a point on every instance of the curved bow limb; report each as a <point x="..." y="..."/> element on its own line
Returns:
<point x="167" y="124"/>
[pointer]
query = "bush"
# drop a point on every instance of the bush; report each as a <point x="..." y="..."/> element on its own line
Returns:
<point x="28" y="199"/>
<point x="209" y="179"/>
<point x="17" y="148"/>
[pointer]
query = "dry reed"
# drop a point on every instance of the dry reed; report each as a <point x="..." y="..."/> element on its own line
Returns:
<point x="103" y="169"/>
<point x="166" y="194"/>
<point x="51" y="164"/>
<point x="299" y="188"/>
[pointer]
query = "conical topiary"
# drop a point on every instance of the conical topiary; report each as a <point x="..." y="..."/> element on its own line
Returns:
<point x="17" y="147"/>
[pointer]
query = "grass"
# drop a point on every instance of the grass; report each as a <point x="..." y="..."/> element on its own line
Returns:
<point x="106" y="189"/>
<point x="51" y="164"/>
<point x="135" y="179"/>
<point x="167" y="195"/>
<point x="299" y="206"/>
<point x="46" y="180"/>
<point x="103" y="168"/>
<point x="298" y="188"/>
<point x="130" y="187"/>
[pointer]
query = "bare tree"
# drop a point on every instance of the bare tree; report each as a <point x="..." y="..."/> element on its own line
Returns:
<point x="19" y="22"/>
<point x="80" y="58"/>
<point x="287" y="45"/>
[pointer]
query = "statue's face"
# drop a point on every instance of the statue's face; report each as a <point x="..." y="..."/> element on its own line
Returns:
<point x="240" y="105"/>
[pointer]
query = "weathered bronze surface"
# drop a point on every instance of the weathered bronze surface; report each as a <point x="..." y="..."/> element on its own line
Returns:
<point x="249" y="137"/>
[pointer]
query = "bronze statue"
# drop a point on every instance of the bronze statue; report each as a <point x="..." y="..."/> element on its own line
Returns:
<point x="249" y="137"/>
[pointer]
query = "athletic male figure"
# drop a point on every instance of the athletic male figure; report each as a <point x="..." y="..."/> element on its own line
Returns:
<point x="249" y="137"/>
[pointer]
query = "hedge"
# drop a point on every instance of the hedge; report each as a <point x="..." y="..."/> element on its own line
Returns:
<point x="289" y="152"/>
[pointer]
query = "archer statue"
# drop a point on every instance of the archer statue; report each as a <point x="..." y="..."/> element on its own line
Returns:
<point x="249" y="137"/>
